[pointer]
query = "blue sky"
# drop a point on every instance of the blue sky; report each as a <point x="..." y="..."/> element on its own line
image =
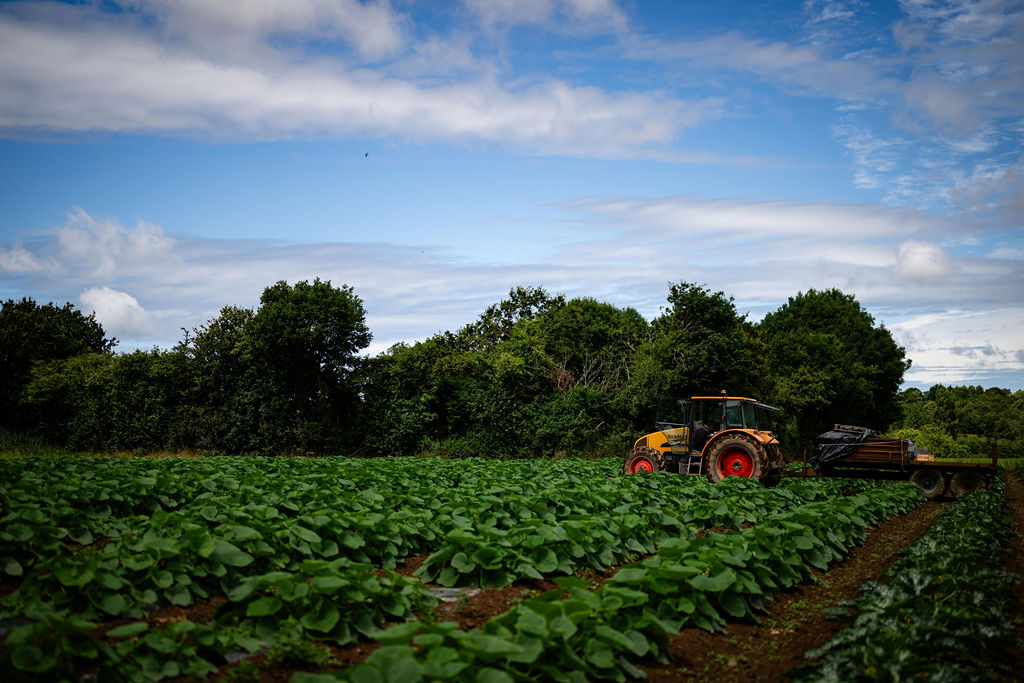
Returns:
<point x="160" y="159"/>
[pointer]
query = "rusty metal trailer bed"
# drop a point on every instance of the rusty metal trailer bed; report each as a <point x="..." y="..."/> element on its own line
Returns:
<point x="870" y="456"/>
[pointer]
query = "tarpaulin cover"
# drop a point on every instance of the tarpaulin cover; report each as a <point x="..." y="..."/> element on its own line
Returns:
<point x="836" y="444"/>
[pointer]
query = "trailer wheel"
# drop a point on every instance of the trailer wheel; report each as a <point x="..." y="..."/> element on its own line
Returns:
<point x="965" y="482"/>
<point x="931" y="482"/>
<point x="644" y="460"/>
<point x="734" y="456"/>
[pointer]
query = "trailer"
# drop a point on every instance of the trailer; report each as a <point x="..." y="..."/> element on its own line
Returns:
<point x="849" y="451"/>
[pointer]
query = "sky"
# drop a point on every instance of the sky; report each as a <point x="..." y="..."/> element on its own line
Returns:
<point x="162" y="159"/>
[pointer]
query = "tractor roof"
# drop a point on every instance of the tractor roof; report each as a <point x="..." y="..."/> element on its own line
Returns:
<point x="735" y="398"/>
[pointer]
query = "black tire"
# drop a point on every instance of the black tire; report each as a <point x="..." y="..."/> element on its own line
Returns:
<point x="965" y="482"/>
<point x="735" y="456"/>
<point x="643" y="460"/>
<point x="931" y="482"/>
<point x="772" y="478"/>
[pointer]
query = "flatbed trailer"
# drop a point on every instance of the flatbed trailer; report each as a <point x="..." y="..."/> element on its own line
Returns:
<point x="875" y="457"/>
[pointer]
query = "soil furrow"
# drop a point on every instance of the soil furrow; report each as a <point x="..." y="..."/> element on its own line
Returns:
<point x="1015" y="564"/>
<point x="795" y="622"/>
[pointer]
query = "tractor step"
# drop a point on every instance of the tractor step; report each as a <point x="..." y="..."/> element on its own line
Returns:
<point x="691" y="464"/>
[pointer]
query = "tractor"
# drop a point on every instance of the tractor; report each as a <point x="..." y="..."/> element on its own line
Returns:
<point x="713" y="435"/>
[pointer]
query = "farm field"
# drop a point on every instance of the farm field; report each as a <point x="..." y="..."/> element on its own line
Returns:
<point x="269" y="569"/>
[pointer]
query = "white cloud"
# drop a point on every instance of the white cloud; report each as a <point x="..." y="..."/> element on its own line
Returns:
<point x="119" y="312"/>
<point x="924" y="261"/>
<point x="102" y="78"/>
<point x="622" y="251"/>
<point x="873" y="157"/>
<point x="966" y="21"/>
<point x="560" y="15"/>
<point x="373" y="29"/>
<point x="980" y="346"/>
<point x="105" y="248"/>
<point x="18" y="259"/>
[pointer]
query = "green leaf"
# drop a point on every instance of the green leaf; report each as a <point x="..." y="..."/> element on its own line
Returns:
<point x="12" y="567"/>
<point x="545" y="560"/>
<point x="562" y="626"/>
<point x="489" y="645"/>
<point x="240" y="532"/>
<point x="113" y="604"/>
<point x="128" y="630"/>
<point x="733" y="604"/>
<point x="462" y="563"/>
<point x="399" y="634"/>
<point x="230" y="554"/>
<point x="714" y="582"/>
<point x="327" y="584"/>
<point x="322" y="619"/>
<point x="532" y="623"/>
<point x="30" y="658"/>
<point x="489" y="675"/>
<point x="263" y="607"/>
<point x="632" y="574"/>
<point x="487" y="557"/>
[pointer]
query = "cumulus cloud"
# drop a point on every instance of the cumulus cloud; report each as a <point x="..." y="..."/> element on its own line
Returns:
<point x="924" y="261"/>
<point x="119" y="312"/>
<point x="105" y="248"/>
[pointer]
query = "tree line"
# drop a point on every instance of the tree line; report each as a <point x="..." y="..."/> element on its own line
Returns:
<point x="535" y="375"/>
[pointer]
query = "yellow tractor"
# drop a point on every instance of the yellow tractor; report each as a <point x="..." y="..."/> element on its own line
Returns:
<point x="717" y="436"/>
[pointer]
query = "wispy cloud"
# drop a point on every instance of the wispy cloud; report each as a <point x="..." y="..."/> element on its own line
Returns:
<point x="114" y="76"/>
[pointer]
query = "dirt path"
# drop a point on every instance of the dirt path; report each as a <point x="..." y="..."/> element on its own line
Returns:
<point x="795" y="622"/>
<point x="1015" y="564"/>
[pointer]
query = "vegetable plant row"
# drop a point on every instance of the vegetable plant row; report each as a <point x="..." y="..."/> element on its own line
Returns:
<point x="944" y="611"/>
<point x="572" y="634"/>
<point x="272" y="514"/>
<point x="297" y="546"/>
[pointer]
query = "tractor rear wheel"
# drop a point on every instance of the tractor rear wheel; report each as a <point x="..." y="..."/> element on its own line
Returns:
<point x="734" y="456"/>
<point x="643" y="460"/>
<point x="931" y="482"/>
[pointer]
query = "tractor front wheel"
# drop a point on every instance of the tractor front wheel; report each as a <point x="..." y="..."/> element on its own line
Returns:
<point x="734" y="456"/>
<point x="643" y="460"/>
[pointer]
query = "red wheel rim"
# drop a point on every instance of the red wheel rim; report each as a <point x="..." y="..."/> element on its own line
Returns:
<point x="642" y="465"/>
<point x="736" y="462"/>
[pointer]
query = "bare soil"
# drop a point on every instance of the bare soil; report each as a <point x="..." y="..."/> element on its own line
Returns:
<point x="1015" y="565"/>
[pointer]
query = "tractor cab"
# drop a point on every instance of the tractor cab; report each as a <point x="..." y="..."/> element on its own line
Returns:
<point x="690" y="433"/>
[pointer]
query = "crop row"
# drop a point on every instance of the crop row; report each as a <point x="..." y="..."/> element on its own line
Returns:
<point x="572" y="634"/>
<point x="292" y="543"/>
<point x="365" y="511"/>
<point x="288" y="542"/>
<point x="943" y="612"/>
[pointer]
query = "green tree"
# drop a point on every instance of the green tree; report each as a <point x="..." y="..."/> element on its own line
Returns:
<point x="305" y="338"/>
<point x="107" y="402"/>
<point x="698" y="345"/>
<point x="829" y="363"/>
<point x="30" y="334"/>
<point x="496" y="323"/>
<point x="221" y="412"/>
